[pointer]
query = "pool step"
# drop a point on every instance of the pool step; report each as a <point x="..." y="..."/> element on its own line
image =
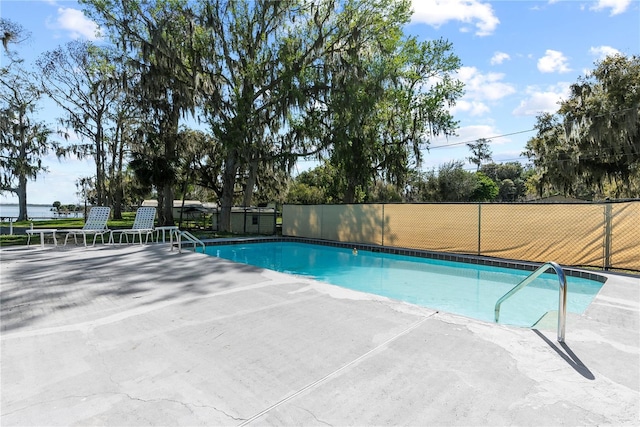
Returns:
<point x="548" y="321"/>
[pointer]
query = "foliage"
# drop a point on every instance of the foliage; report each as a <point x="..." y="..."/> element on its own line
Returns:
<point x="323" y="176"/>
<point x="486" y="191"/>
<point x="420" y="186"/>
<point x="616" y="189"/>
<point x="506" y="182"/>
<point x="275" y="81"/>
<point x="23" y="139"/>
<point x="454" y="184"/>
<point x="384" y="193"/>
<point x="318" y="186"/>
<point x="451" y="183"/>
<point x="198" y="163"/>
<point x="511" y="179"/>
<point x="86" y="190"/>
<point x="387" y="95"/>
<point x="594" y="138"/>
<point x="270" y="187"/>
<point x="16" y="239"/>
<point x="11" y="34"/>
<point x="480" y="152"/>
<point x="260" y="57"/>
<point x="80" y="78"/>
<point x="300" y="193"/>
<point x="157" y="42"/>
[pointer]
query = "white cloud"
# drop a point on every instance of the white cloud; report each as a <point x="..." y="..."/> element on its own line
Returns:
<point x="480" y="89"/>
<point x="553" y="62"/>
<point x="601" y="52"/>
<point x="473" y="108"/>
<point x="617" y="6"/>
<point x="439" y="12"/>
<point x="542" y="100"/>
<point x="75" y="23"/>
<point x="499" y="58"/>
<point x="464" y="134"/>
<point x="483" y="87"/>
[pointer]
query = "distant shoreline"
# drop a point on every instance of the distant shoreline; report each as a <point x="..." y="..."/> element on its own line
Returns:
<point x="28" y="204"/>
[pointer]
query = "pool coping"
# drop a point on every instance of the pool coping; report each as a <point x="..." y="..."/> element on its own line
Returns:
<point x="419" y="253"/>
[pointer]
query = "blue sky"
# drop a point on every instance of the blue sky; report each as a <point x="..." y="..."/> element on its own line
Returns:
<point x="518" y="59"/>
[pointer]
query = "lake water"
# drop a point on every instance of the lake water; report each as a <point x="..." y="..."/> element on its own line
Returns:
<point x="37" y="212"/>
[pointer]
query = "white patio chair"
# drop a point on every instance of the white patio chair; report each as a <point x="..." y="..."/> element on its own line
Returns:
<point x="142" y="224"/>
<point x="95" y="225"/>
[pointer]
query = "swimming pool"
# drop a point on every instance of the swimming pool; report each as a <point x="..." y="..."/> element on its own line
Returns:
<point x="467" y="289"/>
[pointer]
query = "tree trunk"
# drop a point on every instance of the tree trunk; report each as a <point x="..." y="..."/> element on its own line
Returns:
<point x="228" y="185"/>
<point x="22" y="177"/>
<point x="356" y="171"/>
<point x="160" y="210"/>
<point x="117" y="202"/>
<point x="116" y="172"/>
<point x="22" y="198"/>
<point x="251" y="183"/>
<point x="169" y="130"/>
<point x="99" y="165"/>
<point x="167" y="207"/>
<point x="349" y="194"/>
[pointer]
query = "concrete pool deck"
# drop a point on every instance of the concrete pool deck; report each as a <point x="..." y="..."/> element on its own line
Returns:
<point x="139" y="335"/>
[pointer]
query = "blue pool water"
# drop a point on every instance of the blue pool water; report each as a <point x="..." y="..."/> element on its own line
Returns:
<point x="467" y="289"/>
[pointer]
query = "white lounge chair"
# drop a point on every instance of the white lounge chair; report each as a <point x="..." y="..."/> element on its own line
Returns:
<point x="142" y="224"/>
<point x="96" y="224"/>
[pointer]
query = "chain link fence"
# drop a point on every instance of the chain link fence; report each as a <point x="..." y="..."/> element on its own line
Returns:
<point x="603" y="235"/>
<point x="249" y="220"/>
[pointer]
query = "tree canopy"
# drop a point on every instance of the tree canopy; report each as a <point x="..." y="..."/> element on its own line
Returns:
<point x="480" y="152"/>
<point x="275" y="81"/>
<point x="594" y="138"/>
<point x="24" y="140"/>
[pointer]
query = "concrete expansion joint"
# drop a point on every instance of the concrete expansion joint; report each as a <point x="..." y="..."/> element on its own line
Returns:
<point x="335" y="373"/>
<point x="87" y="339"/>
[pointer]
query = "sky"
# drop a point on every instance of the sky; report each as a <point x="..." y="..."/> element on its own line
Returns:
<point x="518" y="58"/>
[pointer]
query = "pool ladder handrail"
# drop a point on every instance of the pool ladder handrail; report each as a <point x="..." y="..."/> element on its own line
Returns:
<point x="562" y="298"/>
<point x="190" y="238"/>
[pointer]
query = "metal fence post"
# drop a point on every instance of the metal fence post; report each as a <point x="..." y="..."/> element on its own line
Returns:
<point x="382" y="224"/>
<point x="479" y="225"/>
<point x="321" y="221"/>
<point x="607" y="236"/>
<point x="244" y="223"/>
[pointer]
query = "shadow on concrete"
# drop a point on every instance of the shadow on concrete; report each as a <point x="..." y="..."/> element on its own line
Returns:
<point x="569" y="356"/>
<point x="50" y="283"/>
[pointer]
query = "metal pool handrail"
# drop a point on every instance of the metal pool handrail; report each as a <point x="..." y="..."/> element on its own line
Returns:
<point x="562" y="298"/>
<point x="191" y="239"/>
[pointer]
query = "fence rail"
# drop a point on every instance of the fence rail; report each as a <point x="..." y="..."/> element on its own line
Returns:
<point x="603" y="235"/>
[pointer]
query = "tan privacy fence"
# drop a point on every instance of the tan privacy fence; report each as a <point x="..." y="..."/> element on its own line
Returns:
<point x="603" y="235"/>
